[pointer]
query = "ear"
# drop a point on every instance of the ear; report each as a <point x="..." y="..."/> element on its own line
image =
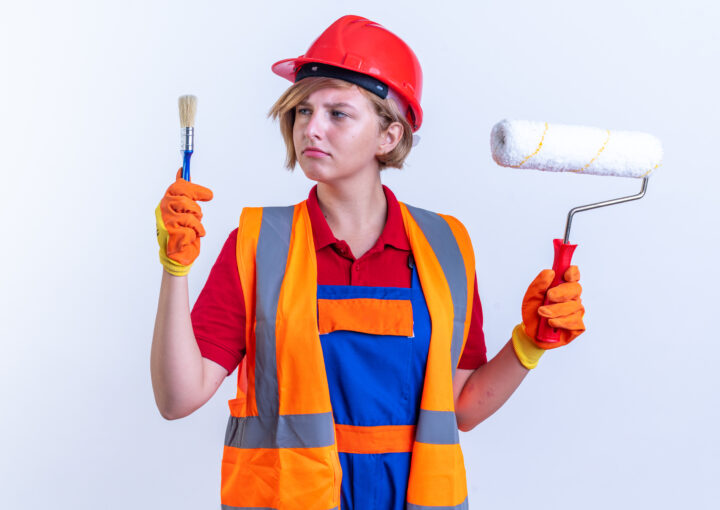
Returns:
<point x="390" y="138"/>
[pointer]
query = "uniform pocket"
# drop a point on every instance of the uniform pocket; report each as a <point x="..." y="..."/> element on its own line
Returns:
<point x="366" y="315"/>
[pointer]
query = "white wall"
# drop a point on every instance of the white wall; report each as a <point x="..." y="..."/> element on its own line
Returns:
<point x="625" y="417"/>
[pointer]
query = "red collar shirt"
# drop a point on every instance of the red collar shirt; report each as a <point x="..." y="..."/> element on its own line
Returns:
<point x="218" y="317"/>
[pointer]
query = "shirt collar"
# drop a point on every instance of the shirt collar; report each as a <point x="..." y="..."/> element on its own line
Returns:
<point x="393" y="233"/>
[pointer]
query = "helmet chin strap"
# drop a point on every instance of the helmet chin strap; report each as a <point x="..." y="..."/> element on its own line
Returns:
<point x="399" y="101"/>
<point x="403" y="107"/>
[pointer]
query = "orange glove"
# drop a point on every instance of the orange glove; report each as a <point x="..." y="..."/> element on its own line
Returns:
<point x="178" y="225"/>
<point x="565" y="310"/>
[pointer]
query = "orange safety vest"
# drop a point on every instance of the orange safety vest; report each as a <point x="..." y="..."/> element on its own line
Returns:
<point x="280" y="445"/>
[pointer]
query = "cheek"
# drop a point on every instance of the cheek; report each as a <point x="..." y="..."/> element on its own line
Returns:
<point x="369" y="140"/>
<point x="296" y="136"/>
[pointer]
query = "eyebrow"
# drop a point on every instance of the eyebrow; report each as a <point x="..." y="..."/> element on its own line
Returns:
<point x="329" y="105"/>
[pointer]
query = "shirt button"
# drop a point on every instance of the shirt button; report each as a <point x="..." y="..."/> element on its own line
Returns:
<point x="357" y="267"/>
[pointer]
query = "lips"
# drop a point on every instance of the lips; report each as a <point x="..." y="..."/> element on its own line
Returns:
<point x="314" y="151"/>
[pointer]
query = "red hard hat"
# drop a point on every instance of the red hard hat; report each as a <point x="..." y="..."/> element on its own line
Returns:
<point x="357" y="44"/>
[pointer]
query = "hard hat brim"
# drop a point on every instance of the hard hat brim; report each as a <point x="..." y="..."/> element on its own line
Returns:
<point x="287" y="68"/>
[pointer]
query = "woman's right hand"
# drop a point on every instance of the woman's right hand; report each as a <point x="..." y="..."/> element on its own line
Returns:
<point x="178" y="225"/>
<point x="564" y="311"/>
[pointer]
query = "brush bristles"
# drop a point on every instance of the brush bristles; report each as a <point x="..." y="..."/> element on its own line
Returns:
<point x="188" y="108"/>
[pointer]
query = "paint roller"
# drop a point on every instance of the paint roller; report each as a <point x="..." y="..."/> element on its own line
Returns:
<point x="578" y="149"/>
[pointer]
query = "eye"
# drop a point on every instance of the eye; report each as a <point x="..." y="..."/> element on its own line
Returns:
<point x="338" y="114"/>
<point x="302" y="111"/>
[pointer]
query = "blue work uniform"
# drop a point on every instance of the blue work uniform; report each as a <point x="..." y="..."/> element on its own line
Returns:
<point x="376" y="380"/>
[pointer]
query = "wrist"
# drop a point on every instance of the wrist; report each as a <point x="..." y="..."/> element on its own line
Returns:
<point x="173" y="267"/>
<point x="525" y="349"/>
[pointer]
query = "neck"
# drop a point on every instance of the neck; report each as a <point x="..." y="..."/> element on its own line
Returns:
<point x="355" y="211"/>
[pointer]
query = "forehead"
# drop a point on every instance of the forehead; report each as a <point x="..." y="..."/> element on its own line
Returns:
<point x="333" y="95"/>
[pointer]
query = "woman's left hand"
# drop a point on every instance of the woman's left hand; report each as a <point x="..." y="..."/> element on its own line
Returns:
<point x="564" y="312"/>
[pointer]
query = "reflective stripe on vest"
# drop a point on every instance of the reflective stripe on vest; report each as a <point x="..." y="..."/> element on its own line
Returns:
<point x="443" y="242"/>
<point x="445" y="262"/>
<point x="280" y="450"/>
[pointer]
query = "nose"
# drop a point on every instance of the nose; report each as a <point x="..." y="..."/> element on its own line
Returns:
<point x="314" y="126"/>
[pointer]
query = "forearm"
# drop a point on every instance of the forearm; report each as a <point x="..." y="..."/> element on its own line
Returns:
<point x="489" y="387"/>
<point x="176" y="364"/>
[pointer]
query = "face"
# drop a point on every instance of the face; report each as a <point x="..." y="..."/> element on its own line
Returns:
<point x="337" y="134"/>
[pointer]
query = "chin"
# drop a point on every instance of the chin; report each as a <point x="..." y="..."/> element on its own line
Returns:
<point x="313" y="173"/>
<point x="316" y="171"/>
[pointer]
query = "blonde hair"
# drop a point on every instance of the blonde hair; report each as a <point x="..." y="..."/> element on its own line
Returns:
<point x="386" y="109"/>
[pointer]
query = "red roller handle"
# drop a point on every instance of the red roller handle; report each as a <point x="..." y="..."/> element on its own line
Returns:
<point x="563" y="257"/>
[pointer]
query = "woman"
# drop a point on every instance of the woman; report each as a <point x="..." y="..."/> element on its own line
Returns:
<point x="354" y="318"/>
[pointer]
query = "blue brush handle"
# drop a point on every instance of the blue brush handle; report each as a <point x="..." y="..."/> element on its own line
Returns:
<point x="186" y="165"/>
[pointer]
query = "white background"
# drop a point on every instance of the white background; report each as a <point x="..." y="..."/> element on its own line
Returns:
<point x="625" y="417"/>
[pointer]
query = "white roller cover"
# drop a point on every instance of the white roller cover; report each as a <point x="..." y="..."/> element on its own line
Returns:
<point x="580" y="149"/>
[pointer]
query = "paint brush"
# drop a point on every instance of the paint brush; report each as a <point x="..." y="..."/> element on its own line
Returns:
<point x="188" y="108"/>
